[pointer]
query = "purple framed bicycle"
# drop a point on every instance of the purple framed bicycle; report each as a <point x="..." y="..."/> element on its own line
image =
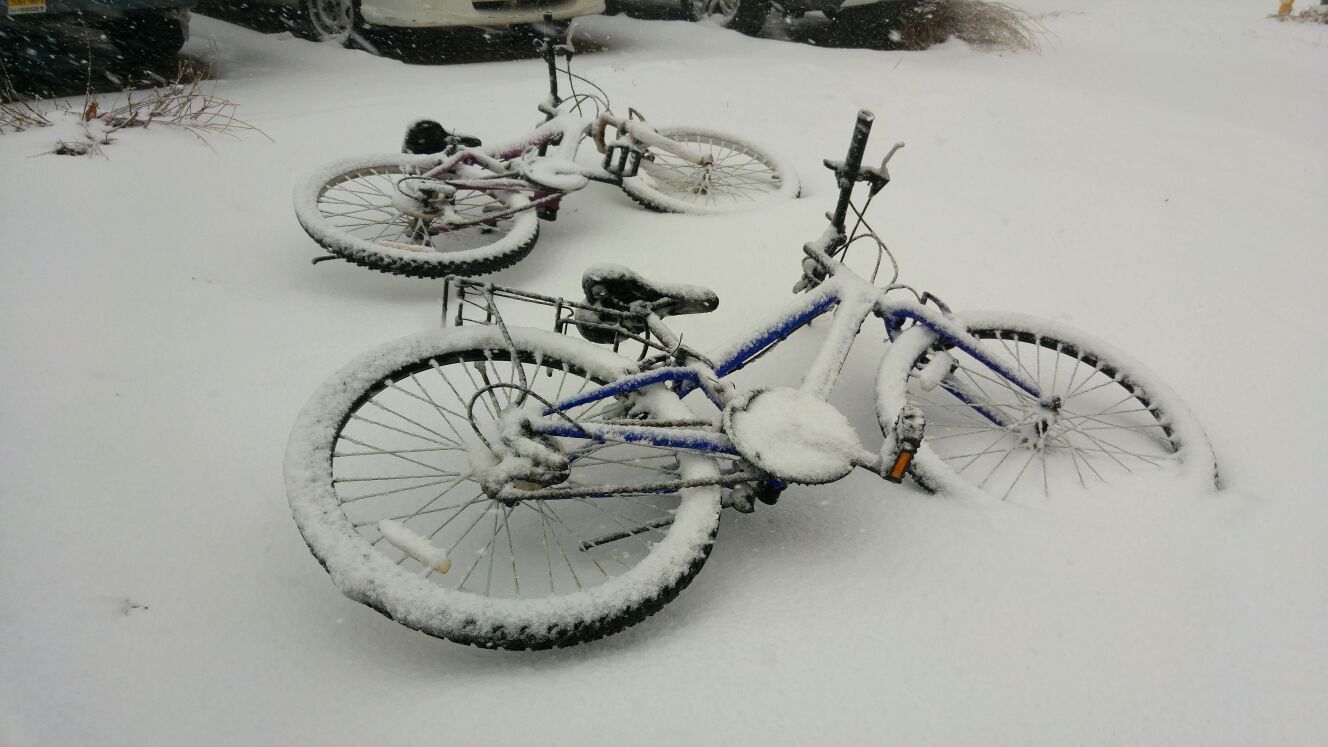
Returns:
<point x="468" y="209"/>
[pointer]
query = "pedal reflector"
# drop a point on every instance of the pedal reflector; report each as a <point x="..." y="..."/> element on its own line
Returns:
<point x="896" y="473"/>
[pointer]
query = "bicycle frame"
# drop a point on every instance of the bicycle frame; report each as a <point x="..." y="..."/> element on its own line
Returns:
<point x="509" y="167"/>
<point x="566" y="131"/>
<point x="853" y="301"/>
<point x="852" y="298"/>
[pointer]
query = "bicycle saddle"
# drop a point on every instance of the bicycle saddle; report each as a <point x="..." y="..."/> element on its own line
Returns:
<point x="427" y="136"/>
<point x="616" y="287"/>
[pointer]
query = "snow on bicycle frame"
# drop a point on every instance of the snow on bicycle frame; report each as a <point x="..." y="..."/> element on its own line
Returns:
<point x="442" y="208"/>
<point x="546" y="157"/>
<point x="457" y="456"/>
<point x="851" y="298"/>
<point x="685" y="370"/>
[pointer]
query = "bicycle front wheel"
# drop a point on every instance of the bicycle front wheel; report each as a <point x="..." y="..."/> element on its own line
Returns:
<point x="738" y="176"/>
<point x="1110" y="424"/>
<point x="356" y="209"/>
<point x="383" y="471"/>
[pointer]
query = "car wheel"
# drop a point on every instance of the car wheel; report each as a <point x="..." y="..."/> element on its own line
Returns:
<point x="148" y="39"/>
<point x="329" y="20"/>
<point x="746" y="16"/>
<point x="874" y="26"/>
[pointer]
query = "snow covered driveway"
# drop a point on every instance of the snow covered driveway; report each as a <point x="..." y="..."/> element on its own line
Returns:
<point x="1155" y="176"/>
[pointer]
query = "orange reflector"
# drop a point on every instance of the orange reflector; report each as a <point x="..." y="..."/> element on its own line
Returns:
<point x="901" y="465"/>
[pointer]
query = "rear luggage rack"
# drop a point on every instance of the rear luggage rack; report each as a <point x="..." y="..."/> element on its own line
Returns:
<point x="466" y="301"/>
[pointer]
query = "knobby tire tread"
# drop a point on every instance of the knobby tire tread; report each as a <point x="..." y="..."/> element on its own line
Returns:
<point x="536" y="635"/>
<point x="586" y="631"/>
<point x="413" y="269"/>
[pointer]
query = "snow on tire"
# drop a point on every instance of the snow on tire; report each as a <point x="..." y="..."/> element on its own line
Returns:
<point x="351" y="208"/>
<point x="1114" y="426"/>
<point x="743" y="176"/>
<point x="383" y="469"/>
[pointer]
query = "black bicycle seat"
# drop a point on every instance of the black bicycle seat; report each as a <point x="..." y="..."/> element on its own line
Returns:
<point x="617" y="287"/>
<point x="427" y="136"/>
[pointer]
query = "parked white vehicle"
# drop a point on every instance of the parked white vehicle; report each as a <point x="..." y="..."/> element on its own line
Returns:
<point x="748" y="16"/>
<point x="335" y="19"/>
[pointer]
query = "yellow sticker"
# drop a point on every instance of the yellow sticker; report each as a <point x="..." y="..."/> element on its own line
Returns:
<point x="19" y="7"/>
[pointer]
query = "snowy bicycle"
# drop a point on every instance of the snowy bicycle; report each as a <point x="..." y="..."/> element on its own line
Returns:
<point x="516" y="488"/>
<point x="454" y="207"/>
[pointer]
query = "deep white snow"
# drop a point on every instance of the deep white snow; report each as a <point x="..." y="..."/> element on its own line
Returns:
<point x="1156" y="176"/>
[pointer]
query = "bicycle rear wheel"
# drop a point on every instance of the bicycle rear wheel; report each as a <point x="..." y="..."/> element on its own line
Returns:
<point x="739" y="177"/>
<point x="354" y="209"/>
<point x="1114" y="425"/>
<point x="389" y="438"/>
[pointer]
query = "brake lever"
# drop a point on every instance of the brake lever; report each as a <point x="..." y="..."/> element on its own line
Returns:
<point x="812" y="275"/>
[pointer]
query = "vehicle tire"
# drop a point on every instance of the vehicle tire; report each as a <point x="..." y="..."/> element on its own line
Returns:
<point x="1117" y="426"/>
<point x="388" y="437"/>
<point x="745" y="16"/>
<point x="350" y="208"/>
<point x="742" y="177"/>
<point x="147" y="39"/>
<point x="870" y="26"/>
<point x="329" y="20"/>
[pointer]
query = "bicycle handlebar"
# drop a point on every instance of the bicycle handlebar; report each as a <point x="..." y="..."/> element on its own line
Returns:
<point x="847" y="173"/>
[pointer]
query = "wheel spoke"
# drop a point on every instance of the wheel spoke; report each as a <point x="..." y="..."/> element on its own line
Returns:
<point x="1111" y="431"/>
<point x="436" y="489"/>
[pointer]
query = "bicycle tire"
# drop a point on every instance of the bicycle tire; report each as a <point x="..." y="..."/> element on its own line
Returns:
<point x="326" y="473"/>
<point x="355" y="225"/>
<point x="755" y="179"/>
<point x="1143" y="432"/>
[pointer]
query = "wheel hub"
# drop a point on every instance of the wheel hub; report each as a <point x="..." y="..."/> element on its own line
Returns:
<point x="1038" y="432"/>
<point x="527" y="461"/>
<point x="426" y="199"/>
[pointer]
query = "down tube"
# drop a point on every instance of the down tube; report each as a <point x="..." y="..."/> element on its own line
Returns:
<point x="959" y="337"/>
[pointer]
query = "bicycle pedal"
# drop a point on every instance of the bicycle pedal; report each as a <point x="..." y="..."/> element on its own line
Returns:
<point x="742" y="499"/>
<point x="908" y="430"/>
<point x="768" y="494"/>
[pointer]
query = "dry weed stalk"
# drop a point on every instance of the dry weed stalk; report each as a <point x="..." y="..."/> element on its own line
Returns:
<point x="1311" y="15"/>
<point x="981" y="23"/>
<point x="15" y="114"/>
<point x="189" y="102"/>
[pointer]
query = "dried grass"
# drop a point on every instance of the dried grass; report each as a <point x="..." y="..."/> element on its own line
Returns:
<point x="17" y="115"/>
<point x="1311" y="15"/>
<point x="992" y="25"/>
<point x="189" y="102"/>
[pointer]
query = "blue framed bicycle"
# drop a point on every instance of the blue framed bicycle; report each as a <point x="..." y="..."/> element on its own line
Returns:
<point x="516" y="488"/>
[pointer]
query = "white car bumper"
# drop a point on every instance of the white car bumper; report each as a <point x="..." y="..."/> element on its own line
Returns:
<point x="493" y="13"/>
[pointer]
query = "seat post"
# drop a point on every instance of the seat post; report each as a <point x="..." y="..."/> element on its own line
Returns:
<point x="661" y="330"/>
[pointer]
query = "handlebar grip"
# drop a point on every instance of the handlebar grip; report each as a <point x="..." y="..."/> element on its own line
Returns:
<point x="857" y="147"/>
<point x="848" y="176"/>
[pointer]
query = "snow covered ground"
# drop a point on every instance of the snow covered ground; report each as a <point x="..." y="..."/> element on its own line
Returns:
<point x="1156" y="175"/>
